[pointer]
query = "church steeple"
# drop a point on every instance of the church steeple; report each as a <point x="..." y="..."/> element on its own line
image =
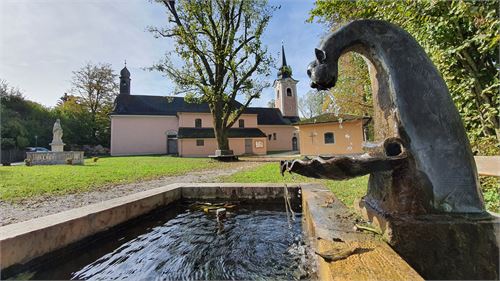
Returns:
<point x="125" y="80"/>
<point x="286" y="89"/>
<point x="285" y="71"/>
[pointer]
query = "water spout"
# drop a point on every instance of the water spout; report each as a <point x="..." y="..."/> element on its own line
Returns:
<point x="380" y="157"/>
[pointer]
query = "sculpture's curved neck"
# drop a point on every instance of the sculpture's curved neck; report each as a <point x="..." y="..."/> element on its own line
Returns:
<point x="412" y="102"/>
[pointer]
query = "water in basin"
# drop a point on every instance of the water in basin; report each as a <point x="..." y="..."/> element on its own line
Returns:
<point x="254" y="242"/>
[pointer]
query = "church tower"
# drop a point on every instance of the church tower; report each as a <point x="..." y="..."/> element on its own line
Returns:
<point x="125" y="81"/>
<point x="285" y="88"/>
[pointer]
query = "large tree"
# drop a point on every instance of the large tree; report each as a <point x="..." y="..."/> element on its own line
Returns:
<point x="461" y="38"/>
<point x="220" y="55"/>
<point x="96" y="87"/>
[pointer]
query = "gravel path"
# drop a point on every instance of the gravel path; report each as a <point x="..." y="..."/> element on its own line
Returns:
<point x="45" y="205"/>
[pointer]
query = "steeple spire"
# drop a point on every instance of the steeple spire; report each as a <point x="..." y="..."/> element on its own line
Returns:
<point x="285" y="71"/>
<point x="283" y="58"/>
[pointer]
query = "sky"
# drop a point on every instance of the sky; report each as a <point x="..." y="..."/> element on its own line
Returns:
<point x="43" y="41"/>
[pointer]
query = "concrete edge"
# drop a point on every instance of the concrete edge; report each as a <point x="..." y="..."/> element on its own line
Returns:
<point x="329" y="225"/>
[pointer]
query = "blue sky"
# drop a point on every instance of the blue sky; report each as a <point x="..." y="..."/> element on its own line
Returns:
<point x="43" y="41"/>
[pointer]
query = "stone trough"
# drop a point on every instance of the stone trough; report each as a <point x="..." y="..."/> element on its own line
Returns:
<point x="327" y="223"/>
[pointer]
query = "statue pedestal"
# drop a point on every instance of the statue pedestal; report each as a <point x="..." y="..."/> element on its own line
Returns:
<point x="441" y="246"/>
<point x="57" y="147"/>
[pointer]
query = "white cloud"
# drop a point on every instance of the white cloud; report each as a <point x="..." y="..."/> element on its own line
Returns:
<point x="42" y="42"/>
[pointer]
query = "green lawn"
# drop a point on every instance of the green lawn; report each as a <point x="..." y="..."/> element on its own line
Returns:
<point x="17" y="182"/>
<point x="346" y="191"/>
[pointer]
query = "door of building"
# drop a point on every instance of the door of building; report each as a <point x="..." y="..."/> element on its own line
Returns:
<point x="248" y="146"/>
<point x="295" y="147"/>
<point x="172" y="146"/>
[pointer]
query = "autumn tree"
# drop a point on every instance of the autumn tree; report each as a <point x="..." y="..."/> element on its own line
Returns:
<point x="311" y="104"/>
<point x="461" y="38"/>
<point x="96" y="88"/>
<point x="218" y="44"/>
<point x="352" y="92"/>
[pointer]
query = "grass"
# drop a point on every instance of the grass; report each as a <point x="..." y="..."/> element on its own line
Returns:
<point x="18" y="182"/>
<point x="346" y="191"/>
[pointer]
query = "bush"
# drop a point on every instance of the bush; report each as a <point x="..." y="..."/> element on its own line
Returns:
<point x="490" y="187"/>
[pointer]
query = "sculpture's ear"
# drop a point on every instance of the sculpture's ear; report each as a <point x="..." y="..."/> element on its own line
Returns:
<point x="320" y="55"/>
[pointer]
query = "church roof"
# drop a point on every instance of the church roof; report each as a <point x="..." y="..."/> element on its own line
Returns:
<point x="208" y="133"/>
<point x="162" y="105"/>
<point x="269" y="116"/>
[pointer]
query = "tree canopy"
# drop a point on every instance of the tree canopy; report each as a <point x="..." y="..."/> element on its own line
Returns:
<point x="219" y="55"/>
<point x="461" y="38"/>
<point x="95" y="88"/>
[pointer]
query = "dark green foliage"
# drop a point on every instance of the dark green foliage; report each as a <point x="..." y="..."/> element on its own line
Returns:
<point x="22" y="120"/>
<point x="461" y="37"/>
<point x="491" y="192"/>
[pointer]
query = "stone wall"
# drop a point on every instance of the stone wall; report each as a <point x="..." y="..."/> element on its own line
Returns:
<point x="54" y="158"/>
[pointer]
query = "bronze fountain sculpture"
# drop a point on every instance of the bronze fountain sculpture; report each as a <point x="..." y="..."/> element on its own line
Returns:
<point x="423" y="189"/>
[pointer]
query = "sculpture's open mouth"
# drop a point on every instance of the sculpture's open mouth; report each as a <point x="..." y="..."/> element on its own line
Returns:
<point x="324" y="86"/>
<point x="321" y="87"/>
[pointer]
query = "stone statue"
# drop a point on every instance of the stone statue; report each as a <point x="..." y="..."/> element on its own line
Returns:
<point x="57" y="144"/>
<point x="57" y="132"/>
<point x="423" y="191"/>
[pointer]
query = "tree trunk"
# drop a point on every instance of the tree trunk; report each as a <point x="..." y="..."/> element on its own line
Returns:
<point x="222" y="140"/>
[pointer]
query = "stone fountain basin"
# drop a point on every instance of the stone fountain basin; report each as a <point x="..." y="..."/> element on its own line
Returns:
<point x="327" y="224"/>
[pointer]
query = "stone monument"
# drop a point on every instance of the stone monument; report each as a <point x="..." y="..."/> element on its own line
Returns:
<point x="57" y="155"/>
<point x="57" y="144"/>
<point x="423" y="191"/>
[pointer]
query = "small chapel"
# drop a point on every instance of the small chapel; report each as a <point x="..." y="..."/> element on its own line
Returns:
<point x="146" y="124"/>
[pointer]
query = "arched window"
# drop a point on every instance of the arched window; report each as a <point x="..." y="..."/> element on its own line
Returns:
<point x="278" y="94"/>
<point x="197" y="123"/>
<point x="329" y="138"/>
<point x="289" y="92"/>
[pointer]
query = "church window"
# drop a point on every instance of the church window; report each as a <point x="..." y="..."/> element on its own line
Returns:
<point x="289" y="92"/>
<point x="274" y="136"/>
<point x="329" y="138"/>
<point x="241" y="123"/>
<point x="197" y="123"/>
<point x="269" y="137"/>
<point x="278" y="94"/>
<point x="200" y="142"/>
